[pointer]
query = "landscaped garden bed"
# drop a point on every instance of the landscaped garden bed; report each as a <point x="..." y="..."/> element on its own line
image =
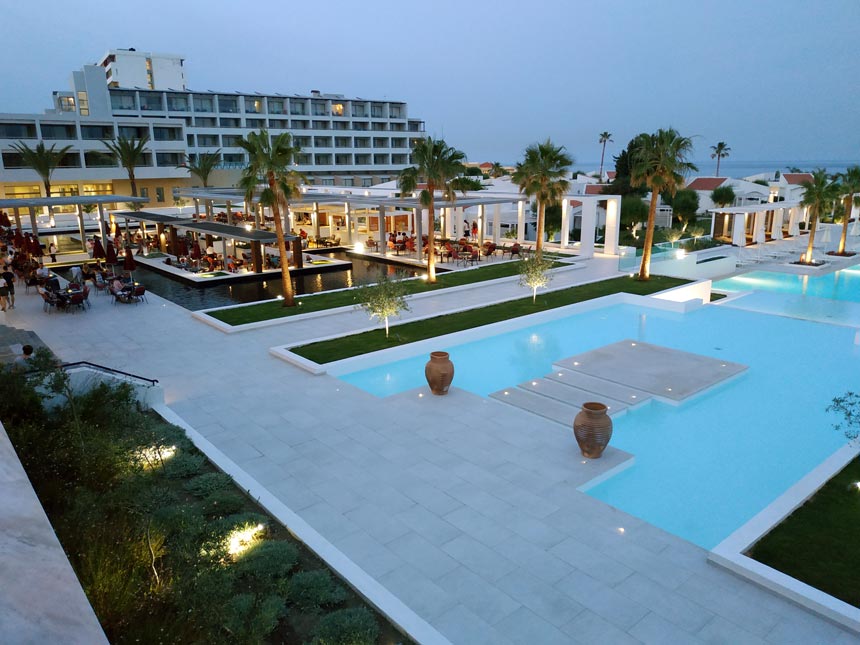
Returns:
<point x="817" y="543"/>
<point x="166" y="547"/>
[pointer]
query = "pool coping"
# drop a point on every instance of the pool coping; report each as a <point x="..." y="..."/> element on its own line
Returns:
<point x="730" y="554"/>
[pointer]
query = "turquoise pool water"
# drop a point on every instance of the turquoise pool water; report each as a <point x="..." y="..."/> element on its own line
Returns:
<point x="707" y="466"/>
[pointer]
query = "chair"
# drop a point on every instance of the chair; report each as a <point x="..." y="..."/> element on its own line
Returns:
<point x="76" y="301"/>
<point x="139" y="294"/>
<point x="489" y="250"/>
<point x="515" y="250"/>
<point x="50" y="301"/>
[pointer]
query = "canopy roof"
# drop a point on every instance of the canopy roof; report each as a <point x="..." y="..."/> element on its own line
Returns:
<point x="754" y="208"/>
<point x="83" y="200"/>
<point x="152" y="218"/>
<point x="235" y="232"/>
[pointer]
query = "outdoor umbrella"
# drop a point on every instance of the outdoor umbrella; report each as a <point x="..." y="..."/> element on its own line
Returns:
<point x="195" y="251"/>
<point x="183" y="246"/>
<point x="98" y="249"/>
<point x="129" y="264"/>
<point x="110" y="255"/>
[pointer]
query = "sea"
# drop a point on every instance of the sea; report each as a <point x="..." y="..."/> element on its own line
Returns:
<point x="739" y="169"/>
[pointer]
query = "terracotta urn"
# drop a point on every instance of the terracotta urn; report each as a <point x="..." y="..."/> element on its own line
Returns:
<point x="439" y="372"/>
<point x="592" y="428"/>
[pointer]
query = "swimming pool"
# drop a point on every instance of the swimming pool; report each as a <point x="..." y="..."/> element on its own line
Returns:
<point x="703" y="468"/>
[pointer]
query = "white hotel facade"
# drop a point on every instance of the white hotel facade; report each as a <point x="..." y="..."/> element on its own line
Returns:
<point x="345" y="141"/>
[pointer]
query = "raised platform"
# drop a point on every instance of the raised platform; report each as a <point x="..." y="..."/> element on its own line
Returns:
<point x="621" y="375"/>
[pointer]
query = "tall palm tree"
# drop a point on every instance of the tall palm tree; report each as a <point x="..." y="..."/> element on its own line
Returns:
<point x="850" y="183"/>
<point x="720" y="152"/>
<point x="658" y="162"/>
<point x="605" y="137"/>
<point x="497" y="170"/>
<point x="269" y="161"/>
<point x="438" y="164"/>
<point x="543" y="174"/>
<point x="44" y="161"/>
<point x="129" y="152"/>
<point x="202" y="166"/>
<point x="820" y="195"/>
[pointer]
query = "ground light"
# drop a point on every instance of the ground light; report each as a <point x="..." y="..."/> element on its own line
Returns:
<point x="240" y="540"/>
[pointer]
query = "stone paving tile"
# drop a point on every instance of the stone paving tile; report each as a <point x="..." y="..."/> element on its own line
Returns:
<point x="720" y="631"/>
<point x="731" y="606"/>
<point x="539" y="562"/>
<point x="327" y="521"/>
<point x="602" y="600"/>
<point x="429" y="525"/>
<point x="462" y="626"/>
<point x="423" y="555"/>
<point x="339" y="494"/>
<point x="684" y="613"/>
<point x="802" y="628"/>
<point x="369" y="554"/>
<point x="655" y="630"/>
<point x="378" y="522"/>
<point x="554" y="606"/>
<point x="480" y="500"/>
<point x="295" y="494"/>
<point x="631" y="554"/>
<point x="531" y="529"/>
<point x="591" y="561"/>
<point x="524" y="626"/>
<point x="590" y="629"/>
<point x="486" y="562"/>
<point x="420" y="594"/>
<point x="480" y="527"/>
<point x="485" y="599"/>
<point x="428" y="496"/>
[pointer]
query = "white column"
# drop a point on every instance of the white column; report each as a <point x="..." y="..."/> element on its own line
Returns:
<point x="457" y="217"/>
<point x="82" y="229"/>
<point x="482" y="212"/>
<point x="418" y="214"/>
<point x="382" y="241"/>
<point x="229" y="212"/>
<point x="316" y="219"/>
<point x="521" y="221"/>
<point x="101" y="222"/>
<point x="613" y="225"/>
<point x="497" y="223"/>
<point x="565" y="222"/>
<point x="589" y="221"/>
<point x="347" y="212"/>
<point x="447" y="229"/>
<point x="196" y="208"/>
<point x="739" y="232"/>
<point x="759" y="233"/>
<point x="776" y="224"/>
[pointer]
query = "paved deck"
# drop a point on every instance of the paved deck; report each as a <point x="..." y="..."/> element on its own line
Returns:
<point x="472" y="519"/>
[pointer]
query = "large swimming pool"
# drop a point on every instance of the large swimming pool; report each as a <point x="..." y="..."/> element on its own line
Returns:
<point x="702" y="469"/>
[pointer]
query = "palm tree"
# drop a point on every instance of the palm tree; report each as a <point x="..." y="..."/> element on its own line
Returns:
<point x="269" y="160"/>
<point x="850" y="183"/>
<point x="438" y="164"/>
<point x="605" y="137"/>
<point x="543" y="174"/>
<point x="202" y="166"/>
<point x="497" y="170"/>
<point x="659" y="162"/>
<point x="129" y="152"/>
<point x="44" y="161"/>
<point x="720" y="152"/>
<point x="820" y="195"/>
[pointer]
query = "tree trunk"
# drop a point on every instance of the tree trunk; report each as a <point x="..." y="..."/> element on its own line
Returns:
<point x="133" y="185"/>
<point x="843" y="239"/>
<point x="645" y="267"/>
<point x="813" y="224"/>
<point x="602" y="153"/>
<point x="431" y="239"/>
<point x="718" y="165"/>
<point x="541" y="215"/>
<point x="289" y="296"/>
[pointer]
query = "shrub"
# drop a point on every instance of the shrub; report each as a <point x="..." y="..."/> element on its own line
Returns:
<point x="354" y="626"/>
<point x="183" y="464"/>
<point x="311" y="590"/>
<point x="249" y="618"/>
<point x="204" y="485"/>
<point x="223" y="502"/>
<point x="269" y="564"/>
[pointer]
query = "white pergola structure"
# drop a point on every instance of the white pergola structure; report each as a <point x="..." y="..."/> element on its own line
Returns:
<point x="588" y="228"/>
<point x="78" y="200"/>
<point x="759" y="221"/>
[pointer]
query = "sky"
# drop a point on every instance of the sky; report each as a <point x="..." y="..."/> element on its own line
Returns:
<point x="775" y="80"/>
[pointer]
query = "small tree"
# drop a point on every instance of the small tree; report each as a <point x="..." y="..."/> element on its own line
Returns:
<point x="384" y="299"/>
<point x="723" y="195"/>
<point x="534" y="273"/>
<point x="848" y="405"/>
<point x="685" y="204"/>
<point x="633" y="211"/>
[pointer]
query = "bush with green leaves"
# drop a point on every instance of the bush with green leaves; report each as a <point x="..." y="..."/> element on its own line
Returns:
<point x="269" y="564"/>
<point x="310" y="591"/>
<point x="206" y="484"/>
<point x="353" y="626"/>
<point x="385" y="299"/>
<point x="221" y="503"/>
<point x="534" y="273"/>
<point x="184" y="464"/>
<point x="249" y="618"/>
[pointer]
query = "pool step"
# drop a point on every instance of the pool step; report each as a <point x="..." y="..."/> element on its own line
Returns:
<point x="551" y="409"/>
<point x="571" y="395"/>
<point x="601" y="388"/>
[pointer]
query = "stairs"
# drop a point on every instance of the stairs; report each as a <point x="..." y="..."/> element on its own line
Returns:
<point x="11" y="340"/>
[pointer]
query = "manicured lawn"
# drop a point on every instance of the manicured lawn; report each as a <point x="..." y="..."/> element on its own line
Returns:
<point x="270" y="310"/>
<point x="817" y="544"/>
<point x="371" y="341"/>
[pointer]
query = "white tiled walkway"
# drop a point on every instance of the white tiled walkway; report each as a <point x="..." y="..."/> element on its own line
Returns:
<point x="464" y="508"/>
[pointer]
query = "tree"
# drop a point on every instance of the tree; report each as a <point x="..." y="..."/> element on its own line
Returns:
<point x="543" y="174"/>
<point x="723" y="196"/>
<point x="820" y="195"/>
<point x="497" y="170"/>
<point x="720" y="152"/>
<point x="129" y="152"/>
<point x="621" y="184"/>
<point x="438" y="164"/>
<point x="633" y="211"/>
<point x="534" y="273"/>
<point x="605" y="137"/>
<point x="44" y="161"/>
<point x="385" y="299"/>
<point x="850" y="184"/>
<point x="659" y="162"/>
<point x="472" y="171"/>
<point x="269" y="161"/>
<point x="202" y="166"/>
<point x="685" y="205"/>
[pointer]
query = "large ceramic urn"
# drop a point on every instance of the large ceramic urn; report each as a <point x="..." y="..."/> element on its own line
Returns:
<point x="592" y="428"/>
<point x="439" y="372"/>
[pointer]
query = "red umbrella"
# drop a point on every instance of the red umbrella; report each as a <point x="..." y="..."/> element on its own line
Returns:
<point x="129" y="264"/>
<point x="98" y="249"/>
<point x="195" y="251"/>
<point x="109" y="255"/>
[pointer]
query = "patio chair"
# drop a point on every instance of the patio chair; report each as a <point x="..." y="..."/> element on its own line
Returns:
<point x="50" y="301"/>
<point x="139" y="294"/>
<point x="76" y="301"/>
<point x="100" y="284"/>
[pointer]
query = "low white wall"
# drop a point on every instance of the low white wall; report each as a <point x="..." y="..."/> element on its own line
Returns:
<point x="691" y="267"/>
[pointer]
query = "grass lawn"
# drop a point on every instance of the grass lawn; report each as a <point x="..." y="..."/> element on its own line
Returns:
<point x="817" y="544"/>
<point x="270" y="310"/>
<point x="371" y="341"/>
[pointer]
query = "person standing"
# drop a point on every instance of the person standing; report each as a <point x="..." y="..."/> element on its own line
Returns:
<point x="52" y="251"/>
<point x="9" y="276"/>
<point x="4" y="293"/>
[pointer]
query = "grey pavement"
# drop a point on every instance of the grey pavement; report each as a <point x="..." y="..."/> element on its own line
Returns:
<point x="472" y="520"/>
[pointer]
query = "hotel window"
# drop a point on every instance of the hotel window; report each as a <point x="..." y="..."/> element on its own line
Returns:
<point x="230" y="122"/>
<point x="17" y="130"/>
<point x="144" y="192"/>
<point x="380" y="160"/>
<point x="58" y="131"/>
<point x="279" y="124"/>
<point x="321" y="125"/>
<point x="297" y="107"/>
<point x="362" y="142"/>
<point x="376" y="110"/>
<point x="348" y="181"/>
<point x="343" y="160"/>
<point x="300" y="124"/>
<point x="177" y="103"/>
<point x="159" y="194"/>
<point x="303" y="159"/>
<point x="276" y="106"/>
<point x="337" y="109"/>
<point x="168" y="159"/>
<point x="228" y="104"/>
<point x="395" y="111"/>
<point x="322" y="159"/>
<point x="359" y="109"/>
<point x="83" y="104"/>
<point x="318" y="108"/>
<point x="326" y="182"/>
<point x="342" y="142"/>
<point x="22" y="192"/>
<point x="98" y="159"/>
<point x="203" y="104"/>
<point x="230" y="140"/>
<point x="234" y="158"/>
<point x="379" y="126"/>
<point x="122" y="101"/>
<point x="322" y="142"/>
<point x="341" y="125"/>
<point x="366" y="182"/>
<point x="98" y="189"/>
<point x="67" y="103"/>
<point x="151" y="101"/>
<point x="207" y="140"/>
<point x="302" y="142"/>
<point x="254" y="106"/>
<point x="96" y="132"/>
<point x="205" y="122"/>
<point x="255" y="124"/>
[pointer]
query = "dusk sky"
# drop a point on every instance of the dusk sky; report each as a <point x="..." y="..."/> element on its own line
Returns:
<point x="774" y="79"/>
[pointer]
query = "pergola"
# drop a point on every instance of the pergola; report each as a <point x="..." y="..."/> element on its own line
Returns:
<point x="767" y="219"/>
<point x="79" y="200"/>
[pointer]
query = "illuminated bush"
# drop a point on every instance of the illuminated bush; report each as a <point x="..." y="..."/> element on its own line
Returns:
<point x="355" y="626"/>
